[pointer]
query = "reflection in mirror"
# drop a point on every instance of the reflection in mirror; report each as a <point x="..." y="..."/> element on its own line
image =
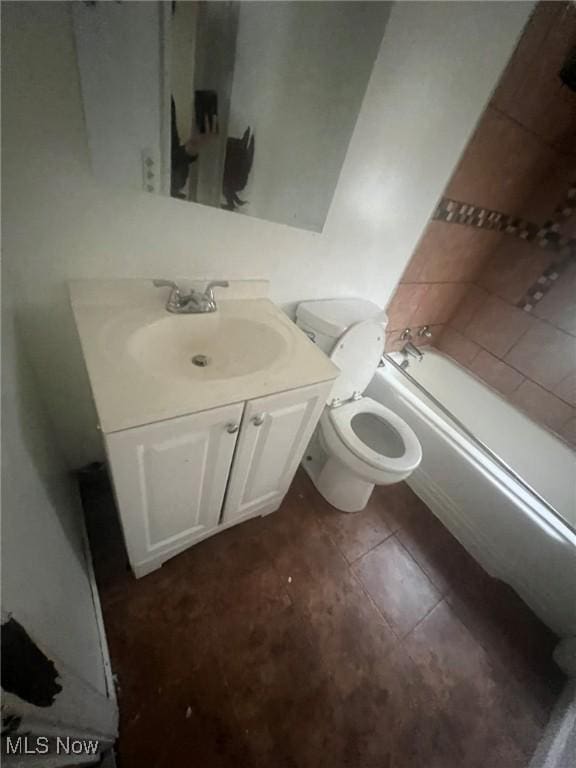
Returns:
<point x="246" y="106"/>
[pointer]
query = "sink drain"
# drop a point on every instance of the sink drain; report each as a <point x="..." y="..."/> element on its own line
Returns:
<point x="201" y="360"/>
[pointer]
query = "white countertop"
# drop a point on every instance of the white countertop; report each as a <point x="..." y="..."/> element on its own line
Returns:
<point x="130" y="392"/>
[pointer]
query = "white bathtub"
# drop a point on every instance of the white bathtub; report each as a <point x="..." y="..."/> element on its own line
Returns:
<point x="508" y="529"/>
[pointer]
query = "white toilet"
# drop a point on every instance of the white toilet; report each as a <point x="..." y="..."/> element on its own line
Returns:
<point x="359" y="443"/>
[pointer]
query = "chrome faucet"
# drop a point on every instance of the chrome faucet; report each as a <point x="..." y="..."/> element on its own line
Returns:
<point x="412" y="350"/>
<point x="409" y="349"/>
<point x="193" y="302"/>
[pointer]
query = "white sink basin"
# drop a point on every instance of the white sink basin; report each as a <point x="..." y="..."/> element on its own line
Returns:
<point x="206" y="347"/>
<point x="139" y="356"/>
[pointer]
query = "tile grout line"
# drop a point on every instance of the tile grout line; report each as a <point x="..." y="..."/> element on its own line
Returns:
<point x="506" y="397"/>
<point x="418" y="566"/>
<point x="486" y="656"/>
<point x="440" y="592"/>
<point x="357" y="580"/>
<point x="362" y="586"/>
<point x="505" y="362"/>
<point x="443" y="591"/>
<point x="398" y="638"/>
<point x="423" y="619"/>
<point x="370" y="549"/>
<point x="525" y="128"/>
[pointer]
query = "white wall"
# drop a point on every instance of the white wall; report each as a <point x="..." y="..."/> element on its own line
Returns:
<point x="300" y="74"/>
<point x="436" y="68"/>
<point x="44" y="571"/>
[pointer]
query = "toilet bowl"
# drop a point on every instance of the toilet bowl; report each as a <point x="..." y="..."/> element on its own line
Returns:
<point x="359" y="443"/>
<point x="367" y="445"/>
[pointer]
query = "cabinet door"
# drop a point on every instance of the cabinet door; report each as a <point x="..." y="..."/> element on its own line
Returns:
<point x="170" y="478"/>
<point x="274" y="435"/>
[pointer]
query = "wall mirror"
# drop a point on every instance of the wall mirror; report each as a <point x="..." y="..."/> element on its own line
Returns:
<point x="246" y="106"/>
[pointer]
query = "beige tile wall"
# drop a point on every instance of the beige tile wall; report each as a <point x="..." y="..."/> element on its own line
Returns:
<point x="528" y="357"/>
<point x="465" y="282"/>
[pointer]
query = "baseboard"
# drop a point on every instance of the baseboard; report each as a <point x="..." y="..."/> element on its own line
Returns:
<point x="108" y="674"/>
<point x="144" y="567"/>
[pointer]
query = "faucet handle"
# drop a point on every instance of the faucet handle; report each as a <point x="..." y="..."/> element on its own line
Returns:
<point x="160" y="283"/>
<point x="216" y="284"/>
<point x="174" y="297"/>
<point x="209" y="293"/>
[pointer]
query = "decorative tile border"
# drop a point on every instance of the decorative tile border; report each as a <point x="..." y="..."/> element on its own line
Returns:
<point x="550" y="232"/>
<point x="547" y="236"/>
<point x="458" y="212"/>
<point x="540" y="288"/>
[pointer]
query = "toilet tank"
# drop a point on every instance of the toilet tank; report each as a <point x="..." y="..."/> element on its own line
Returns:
<point x="324" y="321"/>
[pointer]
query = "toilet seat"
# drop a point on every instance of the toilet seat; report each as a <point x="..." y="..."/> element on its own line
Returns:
<point x="368" y="438"/>
<point x="342" y="438"/>
<point x="359" y="443"/>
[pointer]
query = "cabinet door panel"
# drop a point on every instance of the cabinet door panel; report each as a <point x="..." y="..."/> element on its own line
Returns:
<point x="170" y="478"/>
<point x="275" y="432"/>
<point x="179" y="465"/>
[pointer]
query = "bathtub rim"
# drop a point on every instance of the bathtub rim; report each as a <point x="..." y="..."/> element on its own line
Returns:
<point x="460" y="429"/>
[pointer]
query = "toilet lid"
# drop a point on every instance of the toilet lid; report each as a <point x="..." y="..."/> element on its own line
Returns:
<point x="357" y="354"/>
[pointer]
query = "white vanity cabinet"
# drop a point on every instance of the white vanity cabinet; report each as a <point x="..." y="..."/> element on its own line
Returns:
<point x="170" y="479"/>
<point x="183" y="479"/>
<point x="274" y="435"/>
<point x="194" y="449"/>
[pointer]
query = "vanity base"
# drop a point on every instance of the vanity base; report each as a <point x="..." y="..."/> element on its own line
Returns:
<point x="153" y="564"/>
<point x="181" y="480"/>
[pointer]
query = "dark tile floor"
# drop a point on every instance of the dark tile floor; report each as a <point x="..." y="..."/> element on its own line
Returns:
<point x="315" y="638"/>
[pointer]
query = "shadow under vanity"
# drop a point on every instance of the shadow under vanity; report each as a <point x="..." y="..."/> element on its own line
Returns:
<point x="194" y="449"/>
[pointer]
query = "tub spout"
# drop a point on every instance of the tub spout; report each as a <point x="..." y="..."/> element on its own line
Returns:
<point x="411" y="350"/>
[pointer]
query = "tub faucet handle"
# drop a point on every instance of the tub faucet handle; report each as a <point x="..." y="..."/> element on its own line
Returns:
<point x="406" y="334"/>
<point x="425" y="332"/>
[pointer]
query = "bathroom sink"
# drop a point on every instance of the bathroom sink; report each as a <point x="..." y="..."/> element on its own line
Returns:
<point x="146" y="364"/>
<point x="206" y="347"/>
